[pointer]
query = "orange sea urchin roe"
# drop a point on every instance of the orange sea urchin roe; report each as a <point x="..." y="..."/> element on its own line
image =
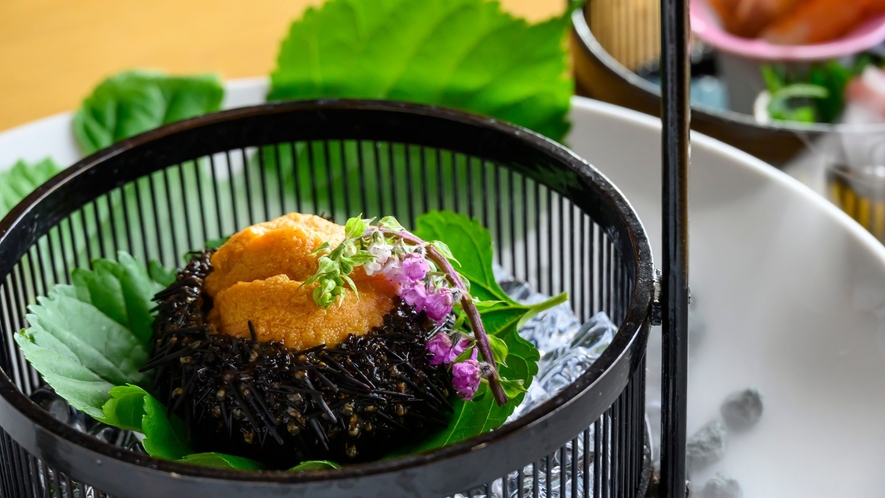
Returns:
<point x="258" y="276"/>
<point x="281" y="310"/>
<point x="282" y="246"/>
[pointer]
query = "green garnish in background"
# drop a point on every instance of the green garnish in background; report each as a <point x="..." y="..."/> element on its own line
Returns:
<point x="464" y="54"/>
<point x="817" y="96"/>
<point x="19" y="181"/>
<point x="134" y="102"/>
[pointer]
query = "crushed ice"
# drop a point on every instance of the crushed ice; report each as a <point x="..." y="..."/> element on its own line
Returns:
<point x="567" y="348"/>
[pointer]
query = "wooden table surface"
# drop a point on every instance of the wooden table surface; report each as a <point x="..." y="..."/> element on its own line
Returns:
<point x="53" y="52"/>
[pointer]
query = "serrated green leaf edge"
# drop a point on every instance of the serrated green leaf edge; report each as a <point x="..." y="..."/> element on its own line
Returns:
<point x="222" y="461"/>
<point x="23" y="178"/>
<point x="315" y="465"/>
<point x="133" y="102"/>
<point x="79" y="386"/>
<point x="165" y="437"/>
<point x="465" y="54"/>
<point x="79" y="350"/>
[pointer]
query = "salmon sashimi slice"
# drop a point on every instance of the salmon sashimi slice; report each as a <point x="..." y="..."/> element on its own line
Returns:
<point x="818" y="21"/>
<point x="750" y="17"/>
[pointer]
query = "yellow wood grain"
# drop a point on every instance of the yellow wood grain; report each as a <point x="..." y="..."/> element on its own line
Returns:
<point x="53" y="52"/>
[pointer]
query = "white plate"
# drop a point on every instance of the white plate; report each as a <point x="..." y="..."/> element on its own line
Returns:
<point x="791" y="291"/>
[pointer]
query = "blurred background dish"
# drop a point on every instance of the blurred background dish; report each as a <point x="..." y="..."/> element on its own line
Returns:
<point x="619" y="66"/>
<point x="789" y="30"/>
<point x="747" y="34"/>
<point x="616" y="51"/>
<point x="601" y="73"/>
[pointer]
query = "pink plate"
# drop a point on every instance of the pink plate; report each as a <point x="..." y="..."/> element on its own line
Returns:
<point x="706" y="25"/>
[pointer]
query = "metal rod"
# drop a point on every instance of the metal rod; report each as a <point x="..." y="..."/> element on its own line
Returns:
<point x="675" y="116"/>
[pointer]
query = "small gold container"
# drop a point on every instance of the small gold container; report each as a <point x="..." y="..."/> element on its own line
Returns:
<point x="856" y="178"/>
<point x="860" y="192"/>
<point x="629" y="30"/>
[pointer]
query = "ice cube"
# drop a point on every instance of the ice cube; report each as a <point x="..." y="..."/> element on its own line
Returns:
<point x="722" y="486"/>
<point x="742" y="410"/>
<point x="706" y="446"/>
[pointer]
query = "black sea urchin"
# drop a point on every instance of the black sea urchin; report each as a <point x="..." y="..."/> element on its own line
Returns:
<point x="353" y="402"/>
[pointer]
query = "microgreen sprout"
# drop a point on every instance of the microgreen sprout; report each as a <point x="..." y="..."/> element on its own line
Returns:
<point x="334" y="267"/>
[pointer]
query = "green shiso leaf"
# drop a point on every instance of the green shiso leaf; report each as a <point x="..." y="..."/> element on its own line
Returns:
<point x="464" y="54"/>
<point x="125" y="409"/>
<point x="63" y="323"/>
<point x="472" y="244"/>
<point x="133" y="102"/>
<point x="160" y="274"/>
<point x="467" y="239"/>
<point x="315" y="465"/>
<point x="165" y="437"/>
<point x="81" y="387"/>
<point x="76" y="339"/>
<point x="222" y="461"/>
<point x="122" y="290"/>
<point x="20" y="180"/>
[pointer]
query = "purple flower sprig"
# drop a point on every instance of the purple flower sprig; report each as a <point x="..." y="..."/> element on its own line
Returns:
<point x="335" y="265"/>
<point x="482" y="340"/>
<point x="466" y="376"/>
<point x="467" y="373"/>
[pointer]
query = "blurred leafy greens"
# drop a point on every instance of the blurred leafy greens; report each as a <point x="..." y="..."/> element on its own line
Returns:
<point x="133" y="102"/>
<point x="464" y="54"/>
<point x="816" y="96"/>
<point x="23" y="178"/>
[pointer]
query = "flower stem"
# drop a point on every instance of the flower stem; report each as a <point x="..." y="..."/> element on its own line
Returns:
<point x="479" y="331"/>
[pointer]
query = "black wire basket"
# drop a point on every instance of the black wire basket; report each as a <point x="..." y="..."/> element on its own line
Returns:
<point x="556" y="223"/>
